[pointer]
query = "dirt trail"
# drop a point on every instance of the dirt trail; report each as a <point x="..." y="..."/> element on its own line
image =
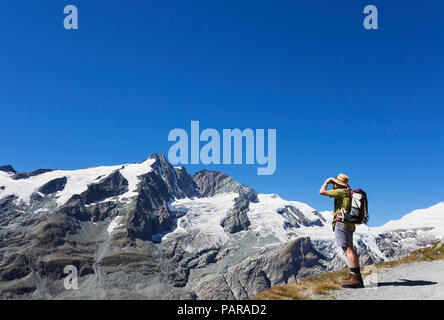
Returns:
<point x="416" y="281"/>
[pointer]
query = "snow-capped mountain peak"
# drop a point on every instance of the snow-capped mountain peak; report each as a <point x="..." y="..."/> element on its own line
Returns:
<point x="432" y="217"/>
<point x="171" y="234"/>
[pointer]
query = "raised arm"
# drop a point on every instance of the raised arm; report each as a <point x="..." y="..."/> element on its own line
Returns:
<point x="324" y="190"/>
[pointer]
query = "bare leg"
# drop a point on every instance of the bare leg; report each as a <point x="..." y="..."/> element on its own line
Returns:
<point x="355" y="280"/>
<point x="352" y="257"/>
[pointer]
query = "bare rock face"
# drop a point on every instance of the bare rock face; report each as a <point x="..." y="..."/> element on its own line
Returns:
<point x="36" y="262"/>
<point x="269" y="267"/>
<point x="296" y="218"/>
<point x="150" y="214"/>
<point x="8" y="210"/>
<point x="210" y="183"/>
<point x="237" y="218"/>
<point x="186" y="183"/>
<point x="87" y="205"/>
<point x="8" y="169"/>
<point x="279" y="265"/>
<point x="53" y="186"/>
<point x="30" y="174"/>
<point x="178" y="182"/>
<point x="113" y="185"/>
<point x="216" y="287"/>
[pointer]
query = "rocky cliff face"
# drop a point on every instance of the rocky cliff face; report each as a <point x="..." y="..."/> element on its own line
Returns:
<point x="269" y="267"/>
<point x="152" y="231"/>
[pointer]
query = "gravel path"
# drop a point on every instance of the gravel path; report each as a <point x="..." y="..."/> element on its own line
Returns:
<point x="416" y="281"/>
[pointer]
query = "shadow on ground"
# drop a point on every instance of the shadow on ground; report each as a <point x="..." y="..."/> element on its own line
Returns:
<point x="407" y="283"/>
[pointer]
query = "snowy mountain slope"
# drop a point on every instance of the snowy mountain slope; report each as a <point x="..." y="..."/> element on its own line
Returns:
<point x="202" y="220"/>
<point x="151" y="230"/>
<point x="423" y="218"/>
<point x="77" y="181"/>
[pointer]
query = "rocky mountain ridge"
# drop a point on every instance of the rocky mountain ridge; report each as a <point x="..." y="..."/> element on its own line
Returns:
<point x="149" y="230"/>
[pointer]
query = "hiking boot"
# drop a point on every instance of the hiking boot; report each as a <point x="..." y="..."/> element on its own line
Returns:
<point x="355" y="281"/>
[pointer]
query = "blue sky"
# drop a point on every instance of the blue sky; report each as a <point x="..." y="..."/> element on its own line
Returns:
<point x="342" y="98"/>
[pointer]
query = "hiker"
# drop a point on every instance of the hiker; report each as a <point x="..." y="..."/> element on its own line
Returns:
<point x="344" y="230"/>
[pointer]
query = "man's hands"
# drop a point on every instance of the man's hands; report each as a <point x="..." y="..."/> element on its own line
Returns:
<point x="323" y="190"/>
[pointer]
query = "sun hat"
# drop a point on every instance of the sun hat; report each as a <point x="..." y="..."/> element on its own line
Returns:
<point x="342" y="180"/>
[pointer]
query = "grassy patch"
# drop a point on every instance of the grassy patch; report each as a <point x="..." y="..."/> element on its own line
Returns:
<point x="303" y="289"/>
<point x="327" y="282"/>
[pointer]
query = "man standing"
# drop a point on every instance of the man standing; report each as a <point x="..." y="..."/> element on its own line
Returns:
<point x="344" y="230"/>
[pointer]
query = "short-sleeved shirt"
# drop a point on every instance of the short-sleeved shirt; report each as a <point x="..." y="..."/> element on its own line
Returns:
<point x="342" y="200"/>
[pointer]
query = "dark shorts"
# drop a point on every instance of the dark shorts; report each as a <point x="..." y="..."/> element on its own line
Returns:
<point x="344" y="235"/>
